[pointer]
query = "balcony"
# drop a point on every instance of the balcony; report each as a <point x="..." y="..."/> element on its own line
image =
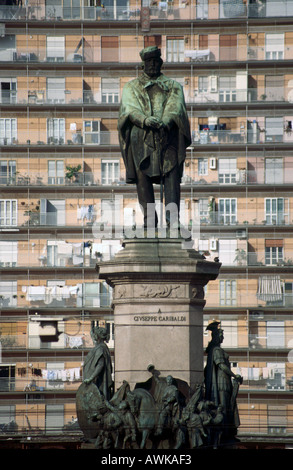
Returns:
<point x="76" y="53"/>
<point x="28" y="137"/>
<point x="95" y="97"/>
<point x="68" y="138"/>
<point x="158" y="11"/>
<point x="61" y="297"/>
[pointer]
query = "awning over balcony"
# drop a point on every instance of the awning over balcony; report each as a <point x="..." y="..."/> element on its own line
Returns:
<point x="270" y="288"/>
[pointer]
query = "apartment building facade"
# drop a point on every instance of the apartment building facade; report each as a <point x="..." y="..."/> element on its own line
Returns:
<point x="64" y="202"/>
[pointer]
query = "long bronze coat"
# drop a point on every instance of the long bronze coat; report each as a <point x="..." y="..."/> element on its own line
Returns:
<point x="154" y="152"/>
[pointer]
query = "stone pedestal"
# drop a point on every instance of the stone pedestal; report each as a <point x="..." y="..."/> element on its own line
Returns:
<point x="158" y="303"/>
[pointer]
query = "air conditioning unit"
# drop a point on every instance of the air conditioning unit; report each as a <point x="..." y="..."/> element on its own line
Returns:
<point x="213" y="163"/>
<point x="213" y="244"/>
<point x="241" y="234"/>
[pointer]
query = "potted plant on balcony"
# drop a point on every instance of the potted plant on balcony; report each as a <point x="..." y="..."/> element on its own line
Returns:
<point x="240" y="256"/>
<point x="73" y="172"/>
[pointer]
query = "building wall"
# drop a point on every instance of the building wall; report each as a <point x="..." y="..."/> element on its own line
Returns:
<point x="61" y="80"/>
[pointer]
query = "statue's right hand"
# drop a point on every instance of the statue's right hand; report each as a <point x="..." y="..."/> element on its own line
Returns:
<point x="153" y="122"/>
<point x="87" y="381"/>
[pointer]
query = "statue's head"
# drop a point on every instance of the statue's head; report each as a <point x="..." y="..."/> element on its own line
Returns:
<point x="217" y="332"/>
<point x="151" y="60"/>
<point x="100" y="333"/>
<point x="169" y="379"/>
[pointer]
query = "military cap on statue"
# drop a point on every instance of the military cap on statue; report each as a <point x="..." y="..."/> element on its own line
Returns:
<point x="215" y="325"/>
<point x="150" y="53"/>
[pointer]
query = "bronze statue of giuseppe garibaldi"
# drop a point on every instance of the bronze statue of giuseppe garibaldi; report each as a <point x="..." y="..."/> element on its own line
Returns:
<point x="154" y="133"/>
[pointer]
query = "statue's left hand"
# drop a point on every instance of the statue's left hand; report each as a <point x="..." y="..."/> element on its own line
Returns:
<point x="87" y="381"/>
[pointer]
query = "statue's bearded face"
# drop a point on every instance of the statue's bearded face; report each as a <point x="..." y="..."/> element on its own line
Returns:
<point x="152" y="67"/>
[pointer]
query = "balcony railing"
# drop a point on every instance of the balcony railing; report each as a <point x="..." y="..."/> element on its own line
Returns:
<point x="40" y="258"/>
<point x="29" y="341"/>
<point x="68" y="138"/>
<point x="39" y="296"/>
<point x="81" y="216"/>
<point x="158" y="11"/>
<point x="88" y="178"/>
<point x="28" y="137"/>
<point x="129" y="53"/>
<point x="96" y="97"/>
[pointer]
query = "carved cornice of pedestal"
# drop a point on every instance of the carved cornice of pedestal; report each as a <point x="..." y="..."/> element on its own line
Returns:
<point x="165" y="261"/>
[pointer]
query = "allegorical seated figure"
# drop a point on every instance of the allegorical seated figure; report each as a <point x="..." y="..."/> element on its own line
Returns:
<point x="154" y="133"/>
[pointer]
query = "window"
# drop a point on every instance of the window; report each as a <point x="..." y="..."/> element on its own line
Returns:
<point x="7" y="384"/>
<point x="71" y="9"/>
<point x="202" y="9"/>
<point x="227" y="170"/>
<point x="110" y="90"/>
<point x="55" y="48"/>
<point x="274" y="255"/>
<point x="227" y="252"/>
<point x="8" y="253"/>
<point x="232" y="8"/>
<point x="56" y="90"/>
<point x="7" y="413"/>
<point x="227" y="89"/>
<point x="55" y="172"/>
<point x="275" y="334"/>
<point x="155" y="40"/>
<point x="54" y="418"/>
<point x="275" y="210"/>
<point x="7" y="171"/>
<point x="54" y="380"/>
<point x="110" y="171"/>
<point x="91" y="294"/>
<point x="96" y="294"/>
<point x="203" y="83"/>
<point x="203" y="41"/>
<point x="227" y="210"/>
<point x="8" y="212"/>
<point x="7" y="47"/>
<point x="274" y="45"/>
<point x="175" y="49"/>
<point x="56" y="130"/>
<point x="110" y="48"/>
<point x="8" y="90"/>
<point x="228" y="295"/>
<point x="274" y="129"/>
<point x="8" y="293"/>
<point x="91" y="132"/>
<point x="274" y="251"/>
<point x="53" y="8"/>
<point x="203" y="209"/>
<point x="230" y="328"/>
<point x="8" y="131"/>
<point x="277" y="416"/>
<point x="203" y="164"/>
<point x="107" y="211"/>
<point x="274" y="90"/>
<point x="52" y="212"/>
<point x="228" y="47"/>
<point x="274" y="170"/>
<point x="288" y="294"/>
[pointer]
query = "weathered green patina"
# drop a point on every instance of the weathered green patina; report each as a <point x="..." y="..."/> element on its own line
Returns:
<point x="154" y="130"/>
